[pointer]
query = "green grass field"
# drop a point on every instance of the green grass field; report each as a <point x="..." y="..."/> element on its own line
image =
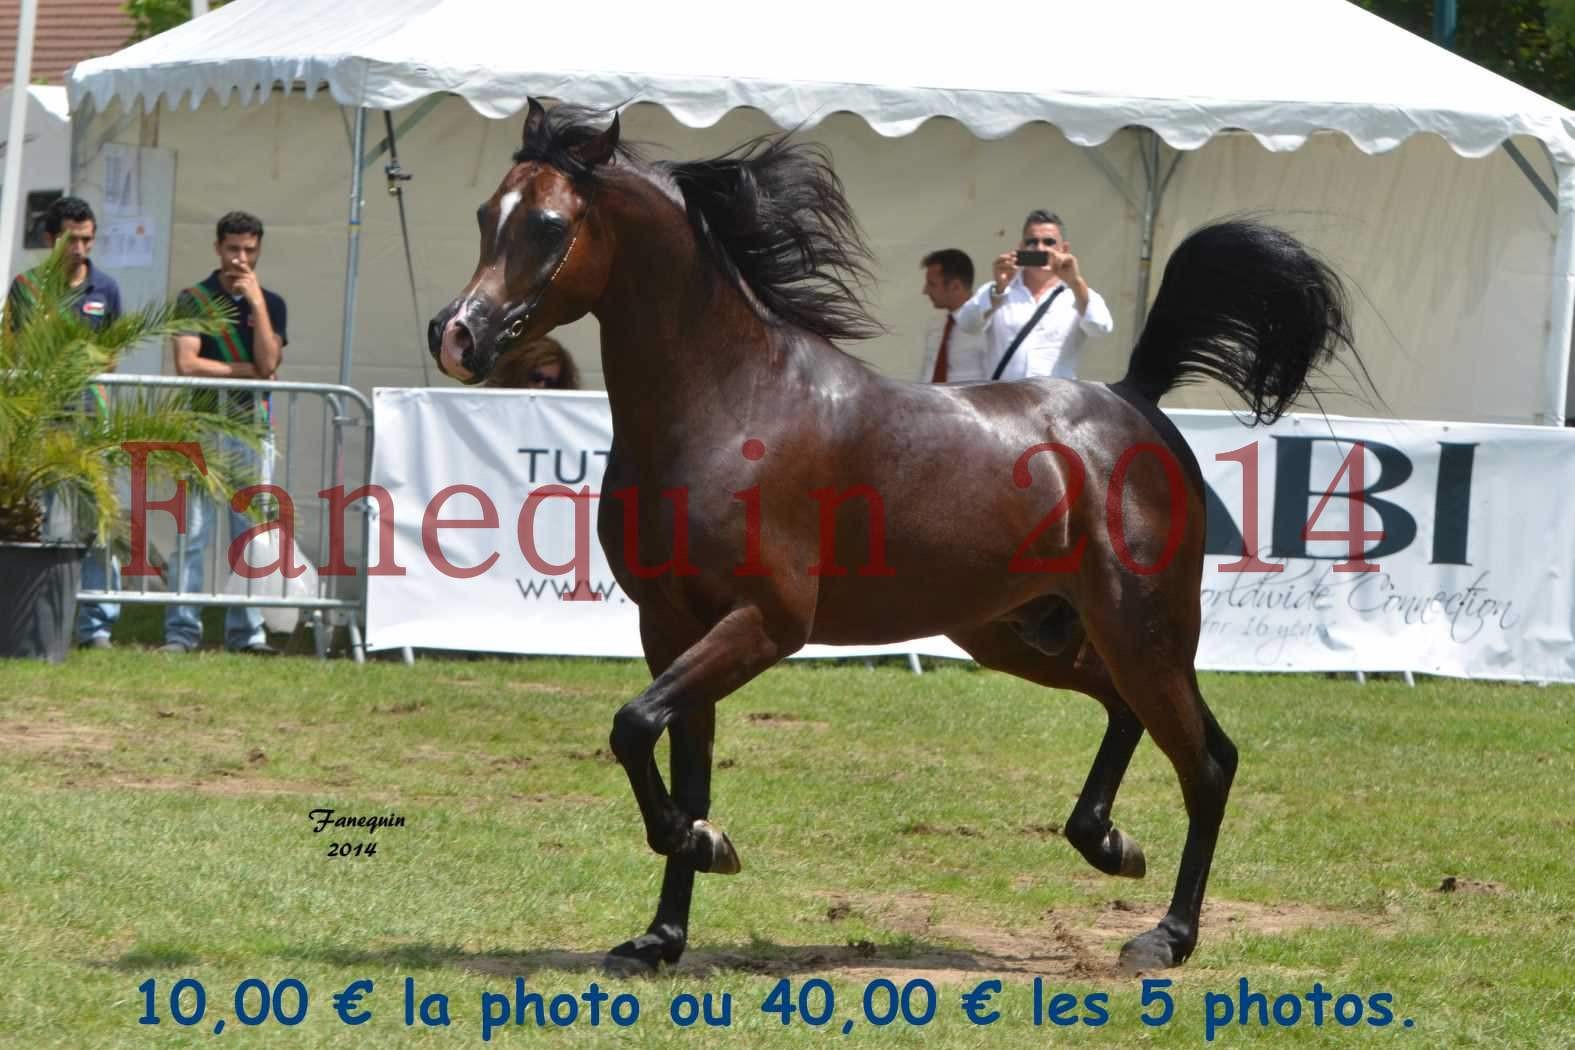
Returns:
<point x="154" y="827"/>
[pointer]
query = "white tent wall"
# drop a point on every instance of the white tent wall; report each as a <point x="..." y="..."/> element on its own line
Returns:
<point x="287" y="160"/>
<point x="1447" y="257"/>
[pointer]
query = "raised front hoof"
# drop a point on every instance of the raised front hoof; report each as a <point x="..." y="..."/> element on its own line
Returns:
<point x="1116" y="854"/>
<point x="641" y="957"/>
<point x="711" y="850"/>
<point x="1128" y="855"/>
<point x="1149" y="952"/>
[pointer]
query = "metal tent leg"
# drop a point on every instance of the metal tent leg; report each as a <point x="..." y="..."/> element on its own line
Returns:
<point x="320" y="634"/>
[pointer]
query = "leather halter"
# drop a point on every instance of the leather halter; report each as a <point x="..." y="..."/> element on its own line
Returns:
<point x="515" y="318"/>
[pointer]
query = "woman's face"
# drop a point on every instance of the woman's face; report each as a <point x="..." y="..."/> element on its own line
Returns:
<point x="545" y="376"/>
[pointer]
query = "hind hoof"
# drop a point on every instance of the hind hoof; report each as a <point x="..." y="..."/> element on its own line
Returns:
<point x="716" y="854"/>
<point x="1147" y="953"/>
<point x="632" y="959"/>
<point x="643" y="956"/>
<point x="1131" y="864"/>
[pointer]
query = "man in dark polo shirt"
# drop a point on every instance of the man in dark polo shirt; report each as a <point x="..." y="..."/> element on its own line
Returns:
<point x="95" y="295"/>
<point x="251" y="346"/>
<point x="96" y="298"/>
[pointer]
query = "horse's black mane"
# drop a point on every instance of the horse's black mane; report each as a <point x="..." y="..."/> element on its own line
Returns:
<point x="770" y="214"/>
<point x="556" y="138"/>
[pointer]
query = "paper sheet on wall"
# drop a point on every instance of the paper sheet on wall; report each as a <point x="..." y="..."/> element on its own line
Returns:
<point x="125" y="244"/>
<point x="122" y="191"/>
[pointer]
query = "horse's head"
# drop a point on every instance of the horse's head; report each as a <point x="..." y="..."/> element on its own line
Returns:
<point x="543" y="263"/>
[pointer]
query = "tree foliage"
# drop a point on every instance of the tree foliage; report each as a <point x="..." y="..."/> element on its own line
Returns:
<point x="56" y="437"/>
<point x="1531" y="42"/>
<point x="152" y="17"/>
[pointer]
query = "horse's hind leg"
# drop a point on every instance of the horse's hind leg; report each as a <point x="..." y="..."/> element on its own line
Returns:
<point x="1089" y="829"/>
<point x="1152" y="667"/>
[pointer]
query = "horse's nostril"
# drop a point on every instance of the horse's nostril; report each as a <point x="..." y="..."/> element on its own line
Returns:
<point x="456" y="344"/>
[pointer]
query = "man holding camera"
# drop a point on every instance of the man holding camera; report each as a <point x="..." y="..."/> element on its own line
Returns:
<point x="1038" y="311"/>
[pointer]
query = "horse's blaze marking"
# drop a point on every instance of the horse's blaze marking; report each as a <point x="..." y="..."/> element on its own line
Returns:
<point x="1070" y="561"/>
<point x="1113" y="512"/>
<point x="506" y="208"/>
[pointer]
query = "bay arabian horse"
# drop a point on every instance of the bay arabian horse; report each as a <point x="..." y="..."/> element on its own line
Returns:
<point x="982" y="512"/>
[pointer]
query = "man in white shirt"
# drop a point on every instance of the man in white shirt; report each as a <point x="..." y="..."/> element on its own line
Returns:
<point x="1001" y="308"/>
<point x="950" y="354"/>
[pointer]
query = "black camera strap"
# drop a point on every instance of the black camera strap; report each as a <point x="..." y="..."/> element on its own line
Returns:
<point x="1023" y="332"/>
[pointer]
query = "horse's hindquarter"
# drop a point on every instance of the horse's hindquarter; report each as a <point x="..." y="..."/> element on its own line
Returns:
<point x="973" y="484"/>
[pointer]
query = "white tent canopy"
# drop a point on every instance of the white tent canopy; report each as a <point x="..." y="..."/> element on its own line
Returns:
<point x="1187" y="71"/>
<point x="1280" y="71"/>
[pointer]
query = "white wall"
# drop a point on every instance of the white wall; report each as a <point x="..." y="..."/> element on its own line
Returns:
<point x="46" y="161"/>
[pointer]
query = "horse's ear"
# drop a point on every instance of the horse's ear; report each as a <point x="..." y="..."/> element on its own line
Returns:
<point x="535" y="122"/>
<point x="598" y="150"/>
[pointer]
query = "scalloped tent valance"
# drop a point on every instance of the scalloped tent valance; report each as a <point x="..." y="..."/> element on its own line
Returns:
<point x="1280" y="71"/>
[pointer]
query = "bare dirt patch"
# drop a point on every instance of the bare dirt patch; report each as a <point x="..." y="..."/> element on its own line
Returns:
<point x="601" y="754"/>
<point x="966" y="831"/>
<point x="778" y="720"/>
<point x="409" y="708"/>
<point x="1460" y="884"/>
<point x="227" y="784"/>
<point x="1078" y="943"/>
<point x="52" y="736"/>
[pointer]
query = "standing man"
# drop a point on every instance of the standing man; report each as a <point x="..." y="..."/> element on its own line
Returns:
<point x="950" y="354"/>
<point x="1036" y="315"/>
<point x="251" y="346"/>
<point x="96" y="299"/>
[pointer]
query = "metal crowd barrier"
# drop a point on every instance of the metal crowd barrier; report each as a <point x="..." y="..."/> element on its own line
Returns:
<point x="343" y="409"/>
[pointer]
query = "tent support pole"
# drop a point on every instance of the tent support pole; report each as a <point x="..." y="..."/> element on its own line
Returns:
<point x="353" y="247"/>
<point x="1154" y="187"/>
<point x="1148" y="149"/>
<point x="11" y="207"/>
<point x="1532" y="175"/>
<point x="427" y="105"/>
<point x="1557" y="376"/>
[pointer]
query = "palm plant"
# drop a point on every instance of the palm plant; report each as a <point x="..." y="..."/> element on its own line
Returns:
<point x="55" y="440"/>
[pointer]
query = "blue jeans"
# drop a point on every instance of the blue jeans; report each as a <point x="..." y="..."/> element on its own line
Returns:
<point x="97" y="619"/>
<point x="243" y="624"/>
<point x="94" y="619"/>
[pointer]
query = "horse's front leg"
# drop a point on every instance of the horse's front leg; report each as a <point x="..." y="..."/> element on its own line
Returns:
<point x="682" y="699"/>
<point x="664" y="940"/>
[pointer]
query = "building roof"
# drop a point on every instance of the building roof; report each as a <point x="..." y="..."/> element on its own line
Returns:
<point x="68" y="32"/>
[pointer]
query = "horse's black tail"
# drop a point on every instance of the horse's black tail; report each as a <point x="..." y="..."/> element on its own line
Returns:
<point x="1245" y="304"/>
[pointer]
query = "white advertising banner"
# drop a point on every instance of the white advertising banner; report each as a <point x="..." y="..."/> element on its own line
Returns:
<point x="506" y="444"/>
<point x="1456" y="559"/>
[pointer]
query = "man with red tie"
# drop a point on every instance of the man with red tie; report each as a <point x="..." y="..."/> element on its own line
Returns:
<point x="950" y="354"/>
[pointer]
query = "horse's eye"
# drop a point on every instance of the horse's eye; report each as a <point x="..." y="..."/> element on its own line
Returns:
<point x="481" y="216"/>
<point x="545" y="225"/>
